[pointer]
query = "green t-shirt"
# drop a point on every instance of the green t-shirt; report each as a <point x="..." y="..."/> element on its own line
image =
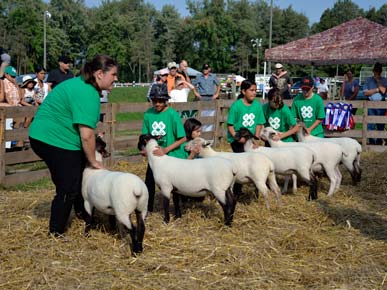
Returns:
<point x="308" y="111"/>
<point x="281" y="119"/>
<point x="168" y="125"/>
<point x="243" y="116"/>
<point x="72" y="102"/>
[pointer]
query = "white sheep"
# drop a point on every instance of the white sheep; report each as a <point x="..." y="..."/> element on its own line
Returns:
<point x="116" y="193"/>
<point x="251" y="167"/>
<point x="328" y="157"/>
<point x="351" y="147"/>
<point x="192" y="178"/>
<point x="289" y="161"/>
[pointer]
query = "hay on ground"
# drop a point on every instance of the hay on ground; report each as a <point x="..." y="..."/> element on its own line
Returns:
<point x="332" y="243"/>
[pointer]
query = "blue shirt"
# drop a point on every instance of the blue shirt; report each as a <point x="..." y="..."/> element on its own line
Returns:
<point x="349" y="88"/>
<point x="206" y="86"/>
<point x="371" y="84"/>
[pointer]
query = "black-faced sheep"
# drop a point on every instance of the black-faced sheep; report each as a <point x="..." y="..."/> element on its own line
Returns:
<point x="191" y="178"/>
<point x="116" y="193"/>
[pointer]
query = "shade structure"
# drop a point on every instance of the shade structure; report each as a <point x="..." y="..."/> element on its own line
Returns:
<point x="358" y="41"/>
<point x="191" y="72"/>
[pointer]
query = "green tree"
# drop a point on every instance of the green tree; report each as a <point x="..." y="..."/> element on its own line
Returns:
<point x="342" y="11"/>
<point x="213" y="34"/>
<point x="21" y="32"/>
<point x="66" y="30"/>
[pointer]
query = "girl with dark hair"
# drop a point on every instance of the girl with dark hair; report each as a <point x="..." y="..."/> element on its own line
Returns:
<point x="192" y="128"/>
<point x="41" y="87"/>
<point x="62" y="134"/>
<point x="246" y="112"/>
<point x="279" y="116"/>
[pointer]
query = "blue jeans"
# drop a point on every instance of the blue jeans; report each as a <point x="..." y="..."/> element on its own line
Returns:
<point x="378" y="127"/>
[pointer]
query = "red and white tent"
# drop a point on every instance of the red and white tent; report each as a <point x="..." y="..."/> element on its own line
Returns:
<point x="359" y="41"/>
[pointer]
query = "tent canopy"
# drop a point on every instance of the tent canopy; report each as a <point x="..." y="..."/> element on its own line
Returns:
<point x="191" y="72"/>
<point x="358" y="41"/>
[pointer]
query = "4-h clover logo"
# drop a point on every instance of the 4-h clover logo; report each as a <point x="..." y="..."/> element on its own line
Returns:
<point x="306" y="112"/>
<point x="274" y="122"/>
<point x="158" y="129"/>
<point x="248" y="120"/>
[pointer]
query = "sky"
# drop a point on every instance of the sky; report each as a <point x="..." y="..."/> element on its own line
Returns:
<point x="310" y="8"/>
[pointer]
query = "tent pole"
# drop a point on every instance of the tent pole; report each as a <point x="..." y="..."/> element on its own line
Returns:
<point x="336" y="78"/>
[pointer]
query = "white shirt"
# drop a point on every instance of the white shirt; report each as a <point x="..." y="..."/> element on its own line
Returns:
<point x="179" y="96"/>
<point x="322" y="88"/>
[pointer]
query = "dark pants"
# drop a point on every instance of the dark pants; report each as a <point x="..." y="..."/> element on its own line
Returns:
<point x="237" y="147"/>
<point x="378" y="127"/>
<point x="66" y="168"/>
<point x="151" y="185"/>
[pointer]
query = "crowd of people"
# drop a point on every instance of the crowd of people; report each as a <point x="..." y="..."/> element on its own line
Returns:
<point x="62" y="131"/>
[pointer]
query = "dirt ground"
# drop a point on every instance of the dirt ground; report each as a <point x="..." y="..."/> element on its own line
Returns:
<point x="332" y="243"/>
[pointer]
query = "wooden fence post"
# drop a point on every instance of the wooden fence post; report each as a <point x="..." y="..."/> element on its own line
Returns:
<point x="2" y="144"/>
<point x="112" y="128"/>
<point x="364" y="126"/>
<point x="216" y="122"/>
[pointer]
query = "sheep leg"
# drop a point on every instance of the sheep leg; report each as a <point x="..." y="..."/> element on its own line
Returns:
<point x="166" y="209"/>
<point x="356" y="176"/>
<point x="228" y="207"/>
<point x="123" y="230"/>
<point x="137" y="233"/>
<point x="112" y="222"/>
<point x="176" y="204"/>
<point x="313" y="185"/>
<point x="273" y="185"/>
<point x="286" y="184"/>
<point x="333" y="180"/>
<point x="294" y="179"/>
<point x="89" y="220"/>
<point x="339" y="177"/>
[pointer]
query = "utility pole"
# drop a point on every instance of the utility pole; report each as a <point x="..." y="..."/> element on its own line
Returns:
<point x="46" y="15"/>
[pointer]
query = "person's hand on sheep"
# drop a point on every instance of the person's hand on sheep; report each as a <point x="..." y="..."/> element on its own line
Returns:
<point x="242" y="140"/>
<point x="277" y="137"/>
<point x="96" y="165"/>
<point x="159" y="151"/>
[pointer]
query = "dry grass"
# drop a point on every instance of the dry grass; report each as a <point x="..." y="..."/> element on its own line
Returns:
<point x="333" y="243"/>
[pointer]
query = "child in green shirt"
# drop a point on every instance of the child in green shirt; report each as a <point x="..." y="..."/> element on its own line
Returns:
<point x="279" y="117"/>
<point x="246" y="112"/>
<point x="165" y="122"/>
<point x="308" y="107"/>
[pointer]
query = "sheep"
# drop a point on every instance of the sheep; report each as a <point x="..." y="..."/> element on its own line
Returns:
<point x="289" y="161"/>
<point x="328" y="158"/>
<point x="191" y="178"/>
<point x="251" y="167"/>
<point x="350" y="146"/>
<point x="286" y="160"/>
<point x="115" y="193"/>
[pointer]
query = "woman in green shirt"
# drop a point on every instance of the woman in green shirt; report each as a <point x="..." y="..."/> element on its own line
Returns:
<point x="62" y="134"/>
